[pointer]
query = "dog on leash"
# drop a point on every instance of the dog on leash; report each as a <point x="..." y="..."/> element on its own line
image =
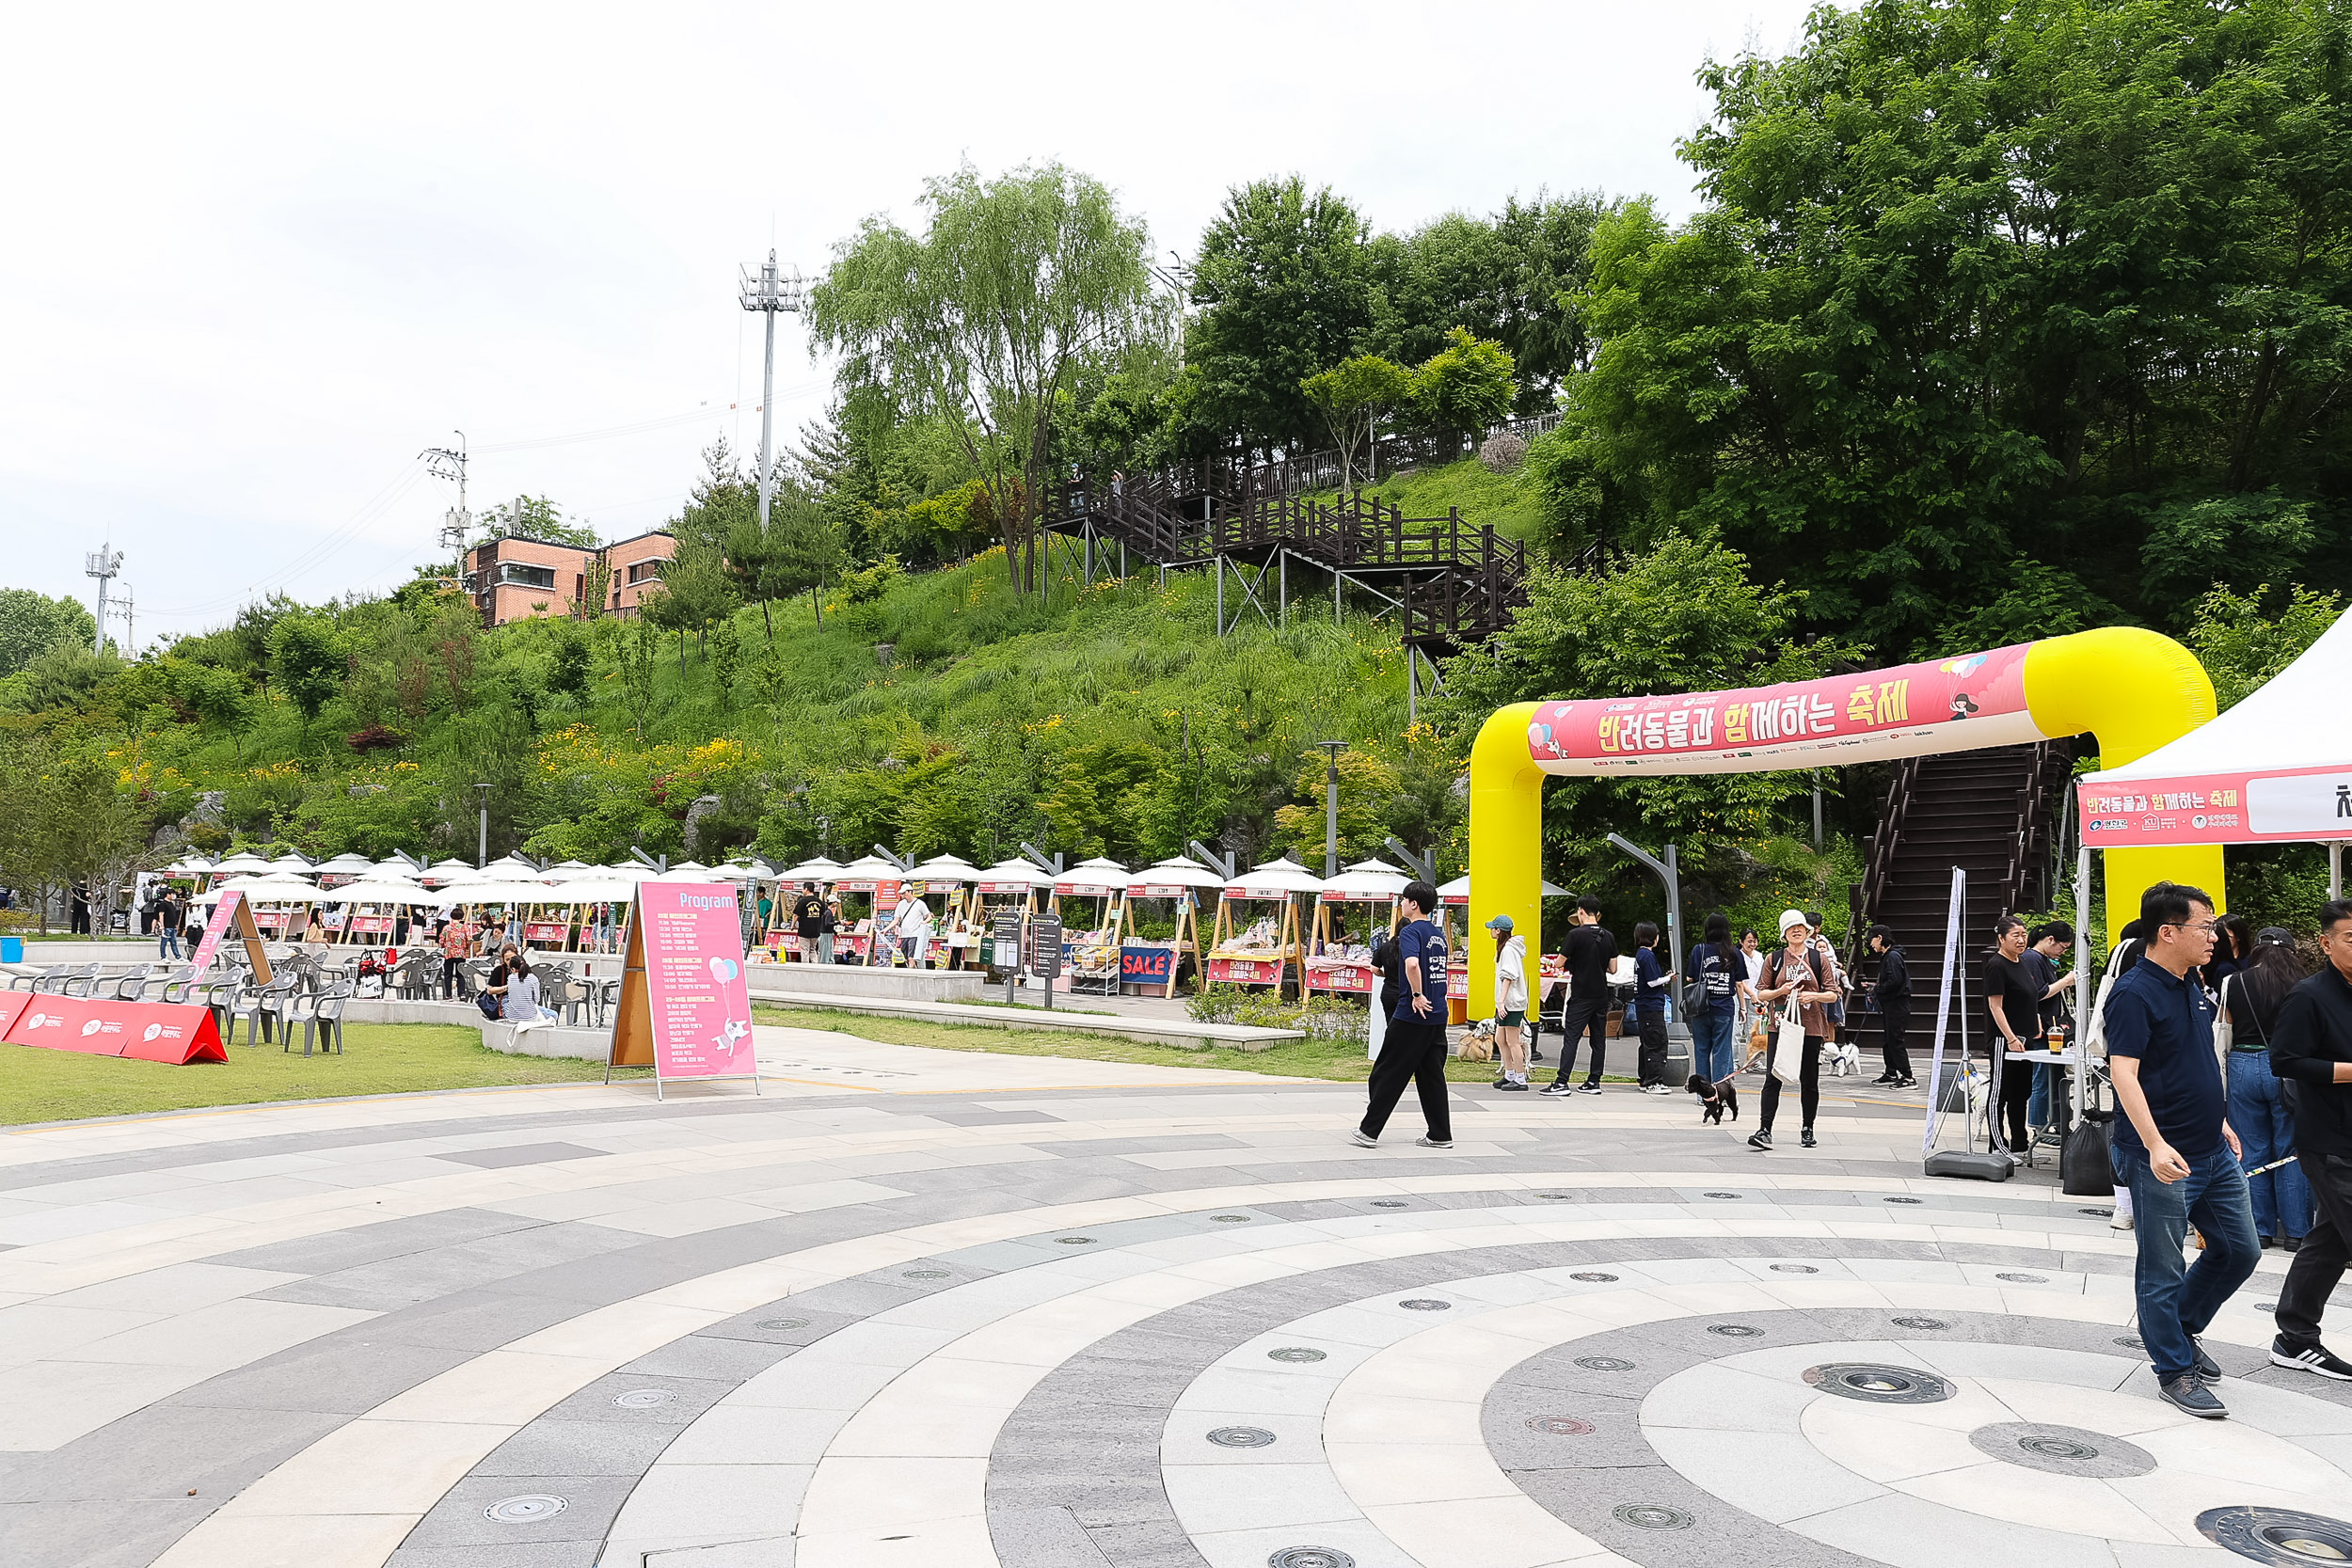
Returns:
<point x="1715" y="1097"/>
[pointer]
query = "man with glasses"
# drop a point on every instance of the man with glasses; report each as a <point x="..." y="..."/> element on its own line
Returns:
<point x="2311" y="1049"/>
<point x="2174" y="1148"/>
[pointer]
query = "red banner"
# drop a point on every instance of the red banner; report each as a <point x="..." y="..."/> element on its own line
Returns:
<point x="1845" y="719"/>
<point x="1247" y="972"/>
<point x="1325" y="974"/>
<point x="174" y="1032"/>
<point x="547" y="930"/>
<point x="2219" y="808"/>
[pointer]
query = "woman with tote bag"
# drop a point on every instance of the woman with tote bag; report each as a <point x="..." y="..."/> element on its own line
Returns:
<point x="1794" y="988"/>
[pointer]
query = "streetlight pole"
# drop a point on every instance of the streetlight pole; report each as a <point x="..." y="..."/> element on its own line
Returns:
<point x="481" y="854"/>
<point x="1331" y="750"/>
<point x="768" y="292"/>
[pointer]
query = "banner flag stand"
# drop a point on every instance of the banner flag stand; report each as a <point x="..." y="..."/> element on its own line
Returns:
<point x="1989" y="1164"/>
<point x="232" y="909"/>
<point x="685" y="1007"/>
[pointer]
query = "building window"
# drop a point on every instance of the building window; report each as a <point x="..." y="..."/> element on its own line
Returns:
<point x="643" y="571"/>
<point x="527" y="577"/>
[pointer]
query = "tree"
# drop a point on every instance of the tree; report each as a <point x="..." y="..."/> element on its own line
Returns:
<point x="61" y="819"/>
<point x="1465" y="387"/>
<point x="983" y="319"/>
<point x="538" y="518"/>
<point x="307" y="661"/>
<point x="2244" y="640"/>
<point x="572" y="664"/>
<point x="1352" y="396"/>
<point x="1368" y="790"/>
<point x="1284" y="290"/>
<point x="697" y="587"/>
<point x="636" y="646"/>
<point x="32" y="623"/>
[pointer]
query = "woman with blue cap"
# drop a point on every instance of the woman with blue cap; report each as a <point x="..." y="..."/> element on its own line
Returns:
<point x="1509" y="1003"/>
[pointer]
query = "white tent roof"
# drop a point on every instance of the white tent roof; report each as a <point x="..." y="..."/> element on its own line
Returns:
<point x="2275" y="768"/>
<point x="377" y="889"/>
<point x="1366" y="881"/>
<point x="478" y="891"/>
<point x="590" y="890"/>
<point x="1273" y="880"/>
<point x="1177" y="871"/>
<point x="294" y="866"/>
<point x="271" y="890"/>
<point x="1094" y="876"/>
<point x="1458" y="891"/>
<point x="817" y="869"/>
<point x="1015" y="871"/>
<point x="869" y="868"/>
<point x="342" y="864"/>
<point x="243" y="859"/>
<point x="945" y="868"/>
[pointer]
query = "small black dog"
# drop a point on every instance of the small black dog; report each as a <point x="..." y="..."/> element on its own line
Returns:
<point x="1715" y="1097"/>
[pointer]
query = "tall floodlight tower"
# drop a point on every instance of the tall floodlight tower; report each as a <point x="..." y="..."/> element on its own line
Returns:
<point x="768" y="292"/>
<point x="450" y="463"/>
<point x="105" y="564"/>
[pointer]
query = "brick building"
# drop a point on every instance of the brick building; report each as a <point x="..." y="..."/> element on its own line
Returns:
<point x="512" y="577"/>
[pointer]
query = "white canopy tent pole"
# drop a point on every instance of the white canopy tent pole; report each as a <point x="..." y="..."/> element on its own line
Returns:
<point x="2335" y="869"/>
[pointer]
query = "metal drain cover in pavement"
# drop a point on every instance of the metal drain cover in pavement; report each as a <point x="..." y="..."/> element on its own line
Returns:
<point x="1720" y="1195"/>
<point x="2266" y="1307"/>
<point x="1557" y="1197"/>
<point x="1075" y="1240"/>
<point x="1560" y="1426"/>
<point x="1387" y="1203"/>
<point x="2097" y="1213"/>
<point x="1594" y="1278"/>
<point x="2062" y="1451"/>
<point x="1244" y="1219"/>
<point x="1902" y="1200"/>
<point x="778" y="1325"/>
<point x="1426" y="1304"/>
<point x="1794" y="1268"/>
<point x="1878" y="1384"/>
<point x="2025" y="1279"/>
<point x="529" y="1509"/>
<point x="1311" y="1557"/>
<point x="925" y="1273"/>
<point x="1241" y="1437"/>
<point x="1650" y="1517"/>
<point x="1293" y="1353"/>
<point x="1921" y="1322"/>
<point x="644" y="1399"/>
<point x="1736" y="1330"/>
<point x="1604" y="1364"/>
<point x="2279" y="1536"/>
<point x="2131" y="1342"/>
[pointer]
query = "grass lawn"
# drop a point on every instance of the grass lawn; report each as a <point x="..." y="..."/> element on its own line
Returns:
<point x="37" y="1085"/>
<point x="1304" y="1058"/>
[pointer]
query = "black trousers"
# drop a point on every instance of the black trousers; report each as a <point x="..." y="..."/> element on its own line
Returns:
<point x="1652" y="1059"/>
<point x="2319" y="1265"/>
<point x="1809" y="1081"/>
<point x="454" y="978"/>
<point x="1577" y="1019"/>
<point x="1896" y="1017"/>
<point x="1411" y="1053"/>
<point x="2016" y="1088"/>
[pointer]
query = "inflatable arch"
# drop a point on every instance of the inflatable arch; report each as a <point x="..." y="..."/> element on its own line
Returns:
<point x="2133" y="689"/>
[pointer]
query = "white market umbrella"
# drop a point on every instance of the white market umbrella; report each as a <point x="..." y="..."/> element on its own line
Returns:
<point x="241" y="863"/>
<point x="946" y="870"/>
<point x="590" y="890"/>
<point x="1275" y="879"/>
<point x="1092" y="879"/>
<point x="271" y="890"/>
<point x="818" y="869"/>
<point x="1015" y="873"/>
<point x="1175" y="873"/>
<point x="508" y="893"/>
<point x="1366" y="881"/>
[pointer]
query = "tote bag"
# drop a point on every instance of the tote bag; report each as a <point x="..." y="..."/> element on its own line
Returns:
<point x="1788" y="1043"/>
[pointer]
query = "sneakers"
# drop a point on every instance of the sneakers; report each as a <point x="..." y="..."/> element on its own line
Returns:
<point x="1557" y="1089"/>
<point x="2206" y="1368"/>
<point x="1427" y="1141"/>
<point x="2122" y="1220"/>
<point x="1588" y="1087"/>
<point x="1804" y="1139"/>
<point x="1885" y="1081"/>
<point x="1510" y="1086"/>
<point x="1363" y="1139"/>
<point x="1656" y="1088"/>
<point x="1760" y="1139"/>
<point x="1907" y="1084"/>
<point x="2188" y="1392"/>
<point x="2311" y="1358"/>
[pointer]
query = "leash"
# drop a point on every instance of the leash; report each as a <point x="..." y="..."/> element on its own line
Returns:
<point x="2274" y="1164"/>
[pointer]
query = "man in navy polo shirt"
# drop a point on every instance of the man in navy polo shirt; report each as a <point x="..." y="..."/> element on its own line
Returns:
<point x="2173" y="1146"/>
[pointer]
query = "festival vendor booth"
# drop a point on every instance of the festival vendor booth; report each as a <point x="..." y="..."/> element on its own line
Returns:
<point x="281" y="905"/>
<point x="1353" y="907"/>
<point x="869" y="888"/>
<point x="372" y="907"/>
<point x="1255" y="940"/>
<point x="945" y="883"/>
<point x="442" y="873"/>
<point x="1096" y="892"/>
<point x="1164" y="923"/>
<point x="241" y="863"/>
<point x="1010" y="886"/>
<point x="342" y="869"/>
<point x="780" y="939"/>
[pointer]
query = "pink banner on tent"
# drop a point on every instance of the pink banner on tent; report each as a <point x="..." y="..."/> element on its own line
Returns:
<point x="224" y="912"/>
<point x="2219" y="808"/>
<point x="700" y="1001"/>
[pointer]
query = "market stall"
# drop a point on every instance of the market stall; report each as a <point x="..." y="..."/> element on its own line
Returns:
<point x="1552" y="968"/>
<point x="372" y="907"/>
<point x="1255" y="940"/>
<point x="1013" y="886"/>
<point x="945" y="883"/>
<point x="1095" y="892"/>
<point x="281" y="905"/>
<point x="868" y="889"/>
<point x="1353" y="908"/>
<point x="1164" y="923"/>
<point x="780" y="938"/>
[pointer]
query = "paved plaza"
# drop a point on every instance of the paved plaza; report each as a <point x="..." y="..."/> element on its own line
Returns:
<point x="955" y="1310"/>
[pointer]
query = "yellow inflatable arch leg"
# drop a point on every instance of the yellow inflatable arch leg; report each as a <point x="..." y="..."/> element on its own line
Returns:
<point x="2133" y="689"/>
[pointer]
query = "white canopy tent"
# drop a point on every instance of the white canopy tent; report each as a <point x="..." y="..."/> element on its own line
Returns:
<point x="2277" y="769"/>
<point x="1272" y="879"/>
<point x="1176" y="871"/>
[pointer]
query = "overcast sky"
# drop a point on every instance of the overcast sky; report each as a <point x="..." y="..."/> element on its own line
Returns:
<point x="257" y="260"/>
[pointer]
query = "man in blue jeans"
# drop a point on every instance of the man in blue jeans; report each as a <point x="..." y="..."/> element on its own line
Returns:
<point x="2173" y="1146"/>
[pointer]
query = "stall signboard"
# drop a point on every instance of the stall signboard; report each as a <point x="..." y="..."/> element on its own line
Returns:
<point x="1007" y="889"/>
<point x="1327" y="975"/>
<point x="1159" y="889"/>
<point x="371" y="925"/>
<point x="684" y="1006"/>
<point x="1045" y="947"/>
<point x="547" y="930"/>
<point x="1146" y="965"/>
<point x="175" y="1033"/>
<point x="1248" y="971"/>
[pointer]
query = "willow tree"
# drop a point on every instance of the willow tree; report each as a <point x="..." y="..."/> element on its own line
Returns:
<point x="985" y="319"/>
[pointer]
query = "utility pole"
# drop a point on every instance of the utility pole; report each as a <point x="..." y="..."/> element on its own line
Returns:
<point x="768" y="293"/>
<point x="1331" y="750"/>
<point x="105" y="564"/>
<point x="450" y="463"/>
<point x="130" y="633"/>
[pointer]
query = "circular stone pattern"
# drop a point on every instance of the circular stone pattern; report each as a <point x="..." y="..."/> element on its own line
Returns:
<point x="1874" y="1383"/>
<point x="529" y="1509"/>
<point x="644" y="1399"/>
<point x="1293" y="1353"/>
<point x="1311" y="1557"/>
<point x="2061" y="1450"/>
<point x="1650" y="1517"/>
<point x="2279" y="1536"/>
<point x="1604" y="1364"/>
<point x="1560" y="1426"/>
<point x="1241" y="1437"/>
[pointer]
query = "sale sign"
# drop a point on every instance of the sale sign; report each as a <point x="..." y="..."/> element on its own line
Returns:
<point x="173" y="1031"/>
<point x="685" y="1005"/>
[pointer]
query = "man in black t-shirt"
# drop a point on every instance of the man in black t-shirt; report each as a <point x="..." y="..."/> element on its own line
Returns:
<point x="1589" y="951"/>
<point x="808" y="919"/>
